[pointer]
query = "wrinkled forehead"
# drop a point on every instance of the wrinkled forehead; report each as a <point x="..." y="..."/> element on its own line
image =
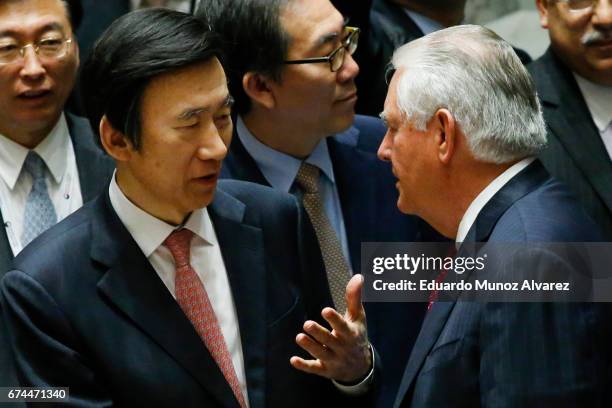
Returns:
<point x="33" y="17"/>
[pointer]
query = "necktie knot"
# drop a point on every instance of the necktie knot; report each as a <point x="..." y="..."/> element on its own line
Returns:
<point x="179" y="243"/>
<point x="35" y="166"/>
<point x="308" y="178"/>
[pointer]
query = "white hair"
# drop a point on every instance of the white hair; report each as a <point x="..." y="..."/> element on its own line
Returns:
<point x="476" y="75"/>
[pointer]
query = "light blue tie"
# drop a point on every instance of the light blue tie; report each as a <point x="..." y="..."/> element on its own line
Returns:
<point x="39" y="212"/>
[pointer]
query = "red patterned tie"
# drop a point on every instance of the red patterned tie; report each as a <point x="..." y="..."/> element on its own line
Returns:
<point x="433" y="296"/>
<point x="193" y="299"/>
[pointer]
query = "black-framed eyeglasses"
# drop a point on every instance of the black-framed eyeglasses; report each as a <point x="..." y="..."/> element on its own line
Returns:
<point x="336" y="58"/>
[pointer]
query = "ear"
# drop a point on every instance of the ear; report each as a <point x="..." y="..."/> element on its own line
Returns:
<point x="258" y="88"/>
<point x="542" y="6"/>
<point x="116" y="144"/>
<point x="445" y="128"/>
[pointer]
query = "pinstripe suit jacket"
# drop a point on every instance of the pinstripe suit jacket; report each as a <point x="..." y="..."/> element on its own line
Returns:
<point x="576" y="154"/>
<point x="515" y="354"/>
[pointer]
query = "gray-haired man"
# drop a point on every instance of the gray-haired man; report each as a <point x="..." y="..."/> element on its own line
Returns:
<point x="464" y="125"/>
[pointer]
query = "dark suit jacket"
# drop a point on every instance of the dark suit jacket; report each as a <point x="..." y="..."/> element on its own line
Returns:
<point x="87" y="311"/>
<point x="95" y="169"/>
<point x="515" y="354"/>
<point x="368" y="195"/>
<point x="387" y="28"/>
<point x="576" y="154"/>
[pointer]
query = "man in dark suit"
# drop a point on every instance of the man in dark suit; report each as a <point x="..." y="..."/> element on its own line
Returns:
<point x="387" y="25"/>
<point x="483" y="184"/>
<point x="574" y="82"/>
<point x="34" y="85"/>
<point x="154" y="294"/>
<point x="293" y="78"/>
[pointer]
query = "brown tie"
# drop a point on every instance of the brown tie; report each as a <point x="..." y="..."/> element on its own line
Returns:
<point x="193" y="300"/>
<point x="336" y="266"/>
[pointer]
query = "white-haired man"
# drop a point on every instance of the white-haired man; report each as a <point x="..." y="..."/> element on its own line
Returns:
<point x="464" y="125"/>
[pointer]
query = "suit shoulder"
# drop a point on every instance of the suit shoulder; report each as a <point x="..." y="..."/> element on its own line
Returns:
<point x="255" y="195"/>
<point x="60" y="244"/>
<point x="548" y="214"/>
<point x="369" y="125"/>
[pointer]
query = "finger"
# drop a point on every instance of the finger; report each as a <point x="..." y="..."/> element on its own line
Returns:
<point x="354" y="308"/>
<point x="313" y="348"/>
<point x="336" y="321"/>
<point x="319" y="333"/>
<point x="308" y="366"/>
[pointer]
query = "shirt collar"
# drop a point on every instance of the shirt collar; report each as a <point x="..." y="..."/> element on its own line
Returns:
<point x="486" y="195"/>
<point x="53" y="150"/>
<point x="599" y="101"/>
<point x="150" y="232"/>
<point x="279" y="168"/>
<point x="426" y="24"/>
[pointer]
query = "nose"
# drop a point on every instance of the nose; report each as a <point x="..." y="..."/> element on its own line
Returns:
<point x="213" y="145"/>
<point x="32" y="67"/>
<point x="602" y="14"/>
<point x="384" y="150"/>
<point x="349" y="69"/>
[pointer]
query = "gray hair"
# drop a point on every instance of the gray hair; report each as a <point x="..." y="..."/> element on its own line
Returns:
<point x="476" y="75"/>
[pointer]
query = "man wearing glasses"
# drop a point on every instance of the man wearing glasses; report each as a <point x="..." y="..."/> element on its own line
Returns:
<point x="293" y="79"/>
<point x="574" y="82"/>
<point x="49" y="165"/>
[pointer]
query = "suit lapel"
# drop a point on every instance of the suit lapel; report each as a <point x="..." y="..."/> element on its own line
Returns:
<point x="240" y="165"/>
<point x="356" y="198"/>
<point x="570" y="120"/>
<point x="522" y="184"/>
<point x="132" y="285"/>
<point x="430" y="331"/>
<point x="6" y="253"/>
<point x="243" y="255"/>
<point x="400" y="28"/>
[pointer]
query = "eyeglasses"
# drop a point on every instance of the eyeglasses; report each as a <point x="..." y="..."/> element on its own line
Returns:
<point x="48" y="48"/>
<point x="336" y="58"/>
<point x="579" y="5"/>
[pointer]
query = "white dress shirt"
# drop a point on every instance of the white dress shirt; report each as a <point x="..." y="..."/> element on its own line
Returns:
<point x="486" y="195"/>
<point x="599" y="101"/>
<point x="62" y="176"/>
<point x="206" y="259"/>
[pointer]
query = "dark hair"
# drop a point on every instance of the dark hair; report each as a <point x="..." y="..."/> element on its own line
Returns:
<point x="137" y="47"/>
<point x="254" y="40"/>
<point x="75" y="12"/>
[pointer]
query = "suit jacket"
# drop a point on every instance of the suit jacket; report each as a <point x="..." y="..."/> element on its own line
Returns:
<point x="472" y="354"/>
<point x="576" y="154"/>
<point x="87" y="310"/>
<point x="95" y="169"/>
<point x="367" y="193"/>
<point x="387" y="28"/>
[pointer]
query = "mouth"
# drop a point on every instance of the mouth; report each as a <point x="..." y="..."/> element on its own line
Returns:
<point x="348" y="98"/>
<point x="34" y="94"/>
<point x="207" y="180"/>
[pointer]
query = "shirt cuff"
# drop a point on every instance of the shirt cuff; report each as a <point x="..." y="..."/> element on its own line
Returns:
<point x="363" y="386"/>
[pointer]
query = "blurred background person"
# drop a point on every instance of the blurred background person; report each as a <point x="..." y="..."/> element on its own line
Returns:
<point x="574" y="82"/>
<point x="49" y="164"/>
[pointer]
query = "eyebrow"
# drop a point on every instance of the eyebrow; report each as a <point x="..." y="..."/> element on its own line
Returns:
<point x="46" y="27"/>
<point x="189" y="113"/>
